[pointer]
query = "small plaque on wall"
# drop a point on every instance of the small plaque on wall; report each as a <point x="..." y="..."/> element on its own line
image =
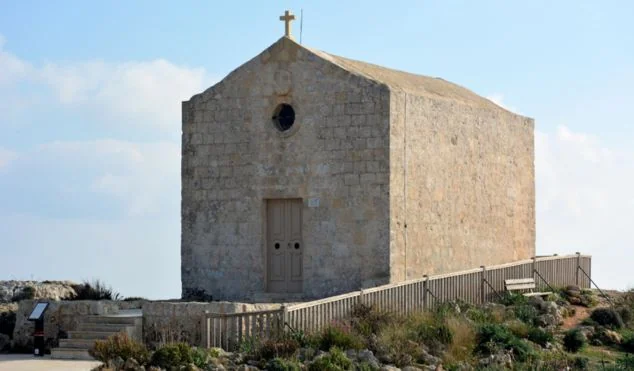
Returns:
<point x="313" y="202"/>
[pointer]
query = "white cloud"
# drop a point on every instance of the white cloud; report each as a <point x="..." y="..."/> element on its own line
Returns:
<point x="584" y="202"/>
<point x="142" y="178"/>
<point x="147" y="92"/>
<point x="498" y="99"/>
<point x="12" y="68"/>
<point x="143" y="93"/>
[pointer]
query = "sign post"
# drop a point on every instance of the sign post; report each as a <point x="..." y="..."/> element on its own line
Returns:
<point x="37" y="316"/>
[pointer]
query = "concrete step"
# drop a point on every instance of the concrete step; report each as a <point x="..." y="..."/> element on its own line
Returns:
<point x="112" y="320"/>
<point x="91" y="335"/>
<point x="99" y="327"/>
<point x="70" y="353"/>
<point x="76" y="343"/>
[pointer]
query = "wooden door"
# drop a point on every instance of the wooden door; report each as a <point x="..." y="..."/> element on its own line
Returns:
<point x="284" y="245"/>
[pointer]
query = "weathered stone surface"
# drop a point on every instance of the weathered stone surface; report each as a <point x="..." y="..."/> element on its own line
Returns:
<point x="413" y="175"/>
<point x="60" y="316"/>
<point x="53" y="290"/>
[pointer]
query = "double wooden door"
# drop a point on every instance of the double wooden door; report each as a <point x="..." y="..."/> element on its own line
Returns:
<point x="284" y="245"/>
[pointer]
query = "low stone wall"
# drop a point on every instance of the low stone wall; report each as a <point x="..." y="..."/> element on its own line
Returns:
<point x="60" y="317"/>
<point x="165" y="322"/>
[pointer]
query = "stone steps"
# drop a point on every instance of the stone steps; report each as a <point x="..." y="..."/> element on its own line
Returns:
<point x="111" y="320"/>
<point x="91" y="334"/>
<point x="102" y="327"/>
<point x="93" y="328"/>
<point x="77" y="343"/>
<point x="70" y="353"/>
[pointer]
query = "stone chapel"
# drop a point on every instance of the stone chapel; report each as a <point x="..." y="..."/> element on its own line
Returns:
<point x="306" y="174"/>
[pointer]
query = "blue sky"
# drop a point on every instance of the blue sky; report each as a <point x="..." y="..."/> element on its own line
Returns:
<point x="90" y="116"/>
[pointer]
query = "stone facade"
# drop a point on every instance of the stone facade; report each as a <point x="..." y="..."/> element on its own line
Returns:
<point x="399" y="175"/>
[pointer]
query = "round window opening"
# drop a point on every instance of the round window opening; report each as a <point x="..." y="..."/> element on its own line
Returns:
<point x="284" y="117"/>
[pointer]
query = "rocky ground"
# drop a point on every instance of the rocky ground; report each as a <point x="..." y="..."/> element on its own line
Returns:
<point x="517" y="333"/>
<point x="11" y="291"/>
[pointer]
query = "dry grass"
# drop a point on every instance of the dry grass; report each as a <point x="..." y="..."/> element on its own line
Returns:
<point x="463" y="342"/>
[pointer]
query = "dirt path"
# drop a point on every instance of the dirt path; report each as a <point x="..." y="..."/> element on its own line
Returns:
<point x="27" y="362"/>
<point x="581" y="313"/>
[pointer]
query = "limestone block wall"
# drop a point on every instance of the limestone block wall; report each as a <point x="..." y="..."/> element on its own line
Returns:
<point x="234" y="159"/>
<point x="462" y="186"/>
<point x="60" y="316"/>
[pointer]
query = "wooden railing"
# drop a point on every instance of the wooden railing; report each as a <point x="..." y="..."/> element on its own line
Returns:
<point x="229" y="330"/>
<point x="475" y="286"/>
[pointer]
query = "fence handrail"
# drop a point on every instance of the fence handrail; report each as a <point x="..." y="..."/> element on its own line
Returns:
<point x="475" y="286"/>
<point x="434" y="277"/>
<point x="242" y="314"/>
<point x="331" y="299"/>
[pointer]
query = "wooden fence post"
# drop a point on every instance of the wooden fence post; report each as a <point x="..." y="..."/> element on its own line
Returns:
<point x="361" y="297"/>
<point x="534" y="268"/>
<point x="578" y="268"/>
<point x="206" y="330"/>
<point x="284" y="320"/>
<point x="425" y="301"/>
<point x="482" y="284"/>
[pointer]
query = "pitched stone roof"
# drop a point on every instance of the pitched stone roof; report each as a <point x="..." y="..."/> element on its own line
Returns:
<point x="408" y="82"/>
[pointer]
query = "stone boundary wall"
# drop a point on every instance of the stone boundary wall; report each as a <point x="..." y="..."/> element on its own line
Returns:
<point x="60" y="317"/>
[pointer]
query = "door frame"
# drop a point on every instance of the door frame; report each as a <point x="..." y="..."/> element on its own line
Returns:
<point x="265" y="237"/>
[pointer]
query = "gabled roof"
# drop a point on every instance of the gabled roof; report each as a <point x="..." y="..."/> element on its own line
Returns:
<point x="408" y="82"/>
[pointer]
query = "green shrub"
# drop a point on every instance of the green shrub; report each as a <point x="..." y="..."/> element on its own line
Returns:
<point x="511" y="298"/>
<point x="519" y="328"/>
<point x="434" y="332"/>
<point x="200" y="357"/>
<point x="300" y="337"/>
<point x="539" y="336"/>
<point x="340" y="337"/>
<point x="491" y="334"/>
<point x="626" y="362"/>
<point x="135" y="298"/>
<point x="574" y="341"/>
<point x="283" y="348"/>
<point x="26" y="293"/>
<point x="335" y="360"/>
<point x="172" y="356"/>
<point x="526" y="313"/>
<point x="479" y="315"/>
<point x="368" y="321"/>
<point x="248" y="345"/>
<point x="119" y="345"/>
<point x="95" y="290"/>
<point x="580" y="363"/>
<point x="607" y="317"/>
<point x="7" y="323"/>
<point x="279" y="364"/>
<point x="365" y="366"/>
<point x="628" y="343"/>
<point x="492" y="337"/>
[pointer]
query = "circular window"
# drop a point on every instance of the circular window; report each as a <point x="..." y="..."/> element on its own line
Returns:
<point x="284" y="117"/>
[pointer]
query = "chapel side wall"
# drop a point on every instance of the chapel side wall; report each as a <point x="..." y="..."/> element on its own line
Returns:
<point x="470" y="186"/>
<point x="234" y="159"/>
